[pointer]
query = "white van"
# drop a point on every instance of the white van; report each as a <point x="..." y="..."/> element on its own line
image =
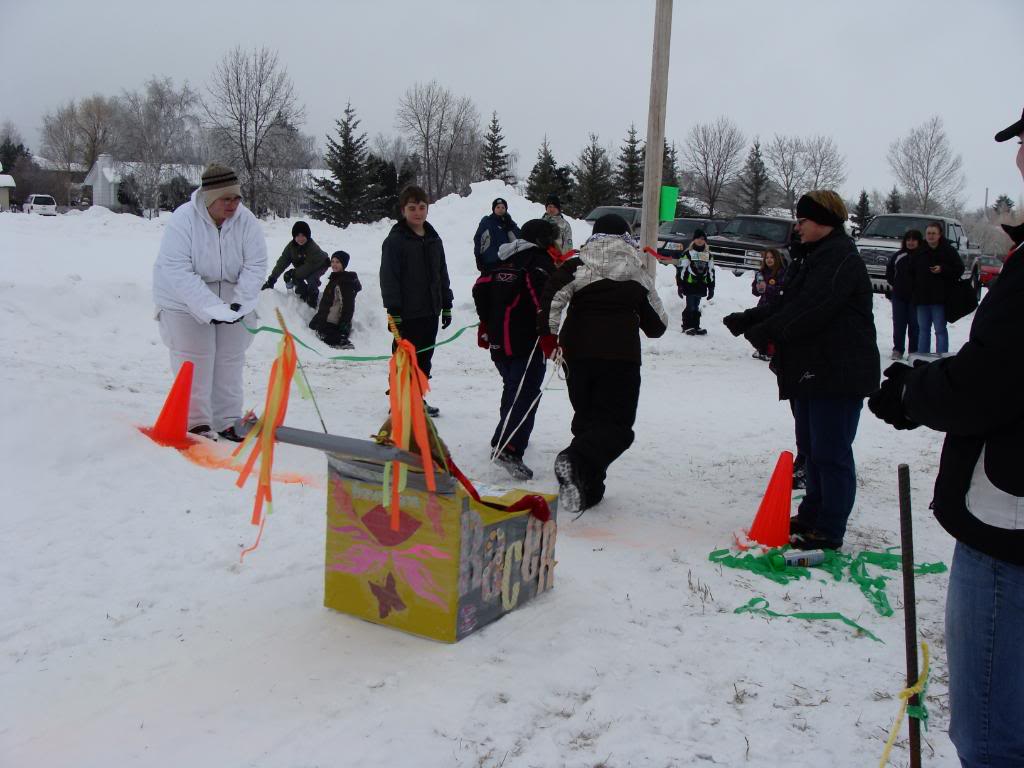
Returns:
<point x="44" y="205"/>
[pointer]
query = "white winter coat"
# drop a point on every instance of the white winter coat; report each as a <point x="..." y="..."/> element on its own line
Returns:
<point x="200" y="267"/>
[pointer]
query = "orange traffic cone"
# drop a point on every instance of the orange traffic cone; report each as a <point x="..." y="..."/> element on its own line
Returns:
<point x="771" y="523"/>
<point x="171" y="428"/>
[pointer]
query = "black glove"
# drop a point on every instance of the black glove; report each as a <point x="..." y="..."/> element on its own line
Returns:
<point x="736" y="323"/>
<point x="887" y="402"/>
<point x="289" y="276"/>
<point x="267" y="286"/>
<point x="711" y="294"/>
<point x="758" y="337"/>
<point x="446" y="318"/>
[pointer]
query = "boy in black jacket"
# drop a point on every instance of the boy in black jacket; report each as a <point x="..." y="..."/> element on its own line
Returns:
<point x="414" y="282"/>
<point x="507" y="299"/>
<point x="308" y="263"/>
<point x="609" y="297"/>
<point x="333" y="319"/>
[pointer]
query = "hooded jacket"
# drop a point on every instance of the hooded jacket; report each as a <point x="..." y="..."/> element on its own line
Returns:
<point x="413" y="273"/>
<point x="507" y="298"/>
<point x="608" y="298"/>
<point x="200" y="266"/>
<point x="306" y="259"/>
<point x="338" y="302"/>
<point x="695" y="274"/>
<point x="979" y="488"/>
<point x="493" y="232"/>
<point x="564" y="241"/>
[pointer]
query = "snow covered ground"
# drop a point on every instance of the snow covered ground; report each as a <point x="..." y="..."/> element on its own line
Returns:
<point x="130" y="634"/>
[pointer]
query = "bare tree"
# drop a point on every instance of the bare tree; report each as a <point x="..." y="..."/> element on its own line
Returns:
<point x="98" y="121"/>
<point x="824" y="165"/>
<point x="443" y="129"/>
<point x="250" y="97"/>
<point x="784" y="157"/>
<point x="289" y="153"/>
<point x="156" y="122"/>
<point x="712" y="153"/>
<point x="60" y="136"/>
<point x="926" y="167"/>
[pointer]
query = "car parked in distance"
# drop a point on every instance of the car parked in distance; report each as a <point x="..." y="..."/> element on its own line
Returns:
<point x="633" y="216"/>
<point x="675" y="236"/>
<point x="884" y="233"/>
<point x="740" y="244"/>
<point x="990" y="267"/>
<point x="44" y="205"/>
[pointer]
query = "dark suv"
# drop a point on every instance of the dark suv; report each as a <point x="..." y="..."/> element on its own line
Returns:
<point x="675" y="235"/>
<point x="739" y="245"/>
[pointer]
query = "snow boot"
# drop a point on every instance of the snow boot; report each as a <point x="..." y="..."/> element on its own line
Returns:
<point x="230" y="434"/>
<point x="514" y="465"/>
<point x="203" y="430"/>
<point x="691" y="322"/>
<point x="570" y="484"/>
<point x="432" y="412"/>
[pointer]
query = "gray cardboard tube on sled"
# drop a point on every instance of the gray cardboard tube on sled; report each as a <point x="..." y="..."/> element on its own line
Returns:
<point x="364" y="459"/>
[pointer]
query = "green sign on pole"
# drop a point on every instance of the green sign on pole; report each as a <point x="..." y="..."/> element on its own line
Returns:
<point x="669" y="198"/>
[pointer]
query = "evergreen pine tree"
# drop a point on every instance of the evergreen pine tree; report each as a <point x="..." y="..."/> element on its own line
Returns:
<point x="670" y="166"/>
<point x="629" y="174"/>
<point x="543" y="179"/>
<point x="593" y="172"/>
<point x="384" y="185"/>
<point x="862" y="211"/>
<point x="341" y="198"/>
<point x="892" y="202"/>
<point x="11" y="153"/>
<point x="495" y="157"/>
<point x="1003" y="204"/>
<point x="753" y="182"/>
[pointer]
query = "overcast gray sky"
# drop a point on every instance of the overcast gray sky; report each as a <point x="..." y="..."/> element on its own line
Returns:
<point x="864" y="71"/>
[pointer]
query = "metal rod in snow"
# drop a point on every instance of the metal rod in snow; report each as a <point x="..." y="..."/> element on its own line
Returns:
<point x="909" y="607"/>
<point x="655" y="145"/>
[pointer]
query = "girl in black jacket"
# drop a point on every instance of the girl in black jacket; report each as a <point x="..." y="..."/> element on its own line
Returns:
<point x="899" y="274"/>
<point x="935" y="267"/>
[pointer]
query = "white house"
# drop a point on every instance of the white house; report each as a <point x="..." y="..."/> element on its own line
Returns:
<point x="6" y="185"/>
<point x="106" y="174"/>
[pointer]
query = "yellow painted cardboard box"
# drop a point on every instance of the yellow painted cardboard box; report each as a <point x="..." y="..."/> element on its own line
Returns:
<point x="452" y="567"/>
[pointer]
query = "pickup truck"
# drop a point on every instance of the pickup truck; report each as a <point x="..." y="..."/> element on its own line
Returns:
<point x="883" y="235"/>
<point x="739" y="246"/>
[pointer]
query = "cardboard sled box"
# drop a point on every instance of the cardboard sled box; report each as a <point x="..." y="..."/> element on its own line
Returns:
<point x="453" y="566"/>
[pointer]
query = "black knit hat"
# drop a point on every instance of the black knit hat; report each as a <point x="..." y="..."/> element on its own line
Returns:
<point x="301" y="228"/>
<point x="539" y="232"/>
<point x="700" y="234"/>
<point x="611" y="224"/>
<point x="342" y="257"/>
<point x="497" y="200"/>
<point x="553" y="200"/>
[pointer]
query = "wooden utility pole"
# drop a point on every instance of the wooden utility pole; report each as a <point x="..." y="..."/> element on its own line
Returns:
<point x="655" y="147"/>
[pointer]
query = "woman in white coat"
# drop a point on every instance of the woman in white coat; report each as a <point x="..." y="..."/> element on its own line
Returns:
<point x="207" y="277"/>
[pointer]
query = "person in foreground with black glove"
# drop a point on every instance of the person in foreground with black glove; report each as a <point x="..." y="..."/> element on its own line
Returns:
<point x="507" y="302"/>
<point x="825" y="359"/>
<point x="414" y="282"/>
<point x="979" y="500"/>
<point x="608" y="297"/>
<point x="207" y="277"/>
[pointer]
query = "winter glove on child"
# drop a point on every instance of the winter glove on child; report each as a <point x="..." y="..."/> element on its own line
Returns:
<point x="736" y="323"/>
<point x="446" y="318"/>
<point x="481" y="336"/>
<point x="887" y="402"/>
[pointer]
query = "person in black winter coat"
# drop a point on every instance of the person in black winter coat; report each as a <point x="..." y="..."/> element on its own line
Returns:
<point x="936" y="266"/>
<point x="308" y="263"/>
<point x="826" y="361"/>
<point x="507" y="300"/>
<point x="899" y="274"/>
<point x="333" y="319"/>
<point x="494" y="231"/>
<point x="695" y="279"/>
<point x="978" y="498"/>
<point x="414" y="282"/>
<point x="608" y="297"/>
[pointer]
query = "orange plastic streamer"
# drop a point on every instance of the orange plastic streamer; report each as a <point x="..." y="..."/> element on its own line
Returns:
<point x="408" y="385"/>
<point x="261" y="437"/>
